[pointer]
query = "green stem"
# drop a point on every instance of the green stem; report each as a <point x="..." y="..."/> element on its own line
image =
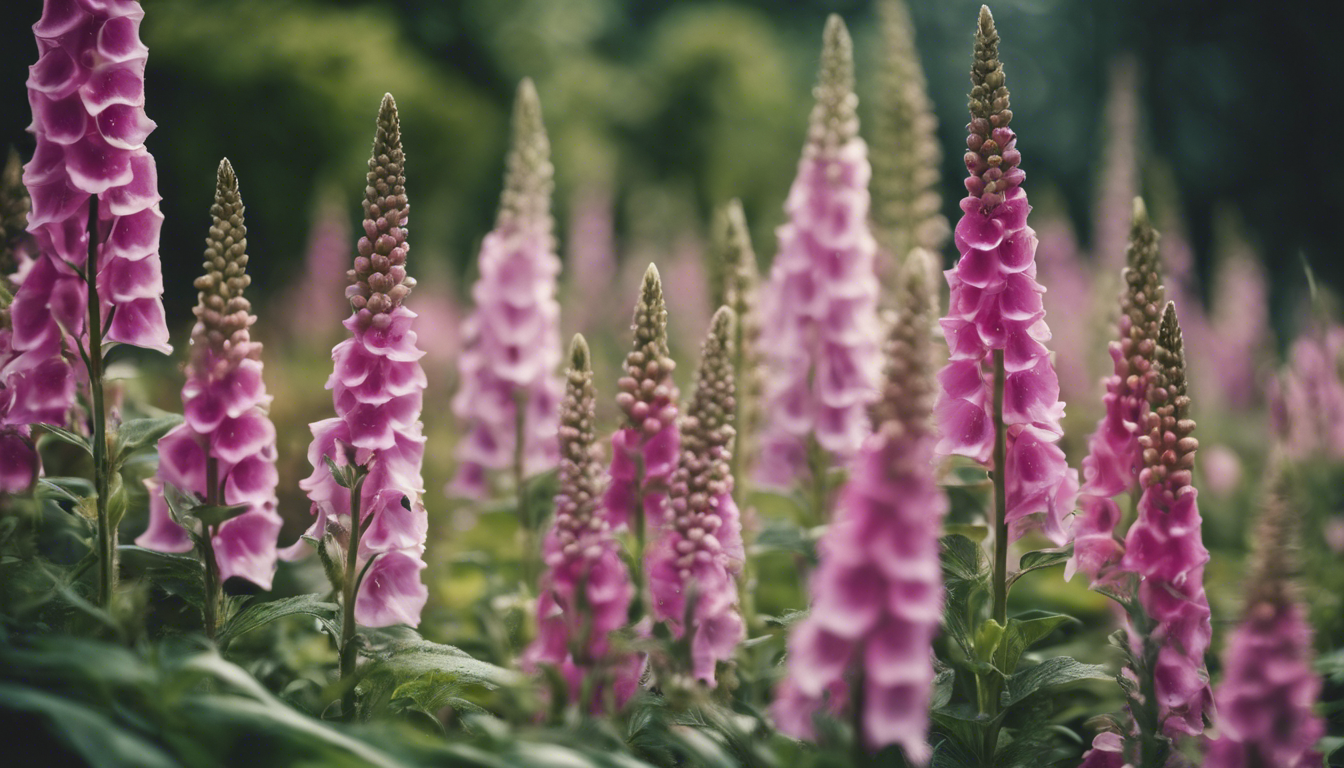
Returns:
<point x="349" y="650"/>
<point x="1154" y="749"/>
<point x="1000" y="574"/>
<point x="213" y="585"/>
<point x="102" y="470"/>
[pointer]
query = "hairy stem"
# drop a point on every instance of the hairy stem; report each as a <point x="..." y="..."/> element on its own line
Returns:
<point x="102" y="469"/>
<point x="213" y="586"/>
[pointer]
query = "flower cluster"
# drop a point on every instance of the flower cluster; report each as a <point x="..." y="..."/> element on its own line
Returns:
<point x="645" y="450"/>
<point x="225" y="449"/>
<point x="996" y="311"/>
<point x="1115" y="457"/>
<point x="20" y="463"/>
<point x="1265" y="699"/>
<point x="378" y="388"/>
<point x="314" y="306"/>
<point x="1307" y="399"/>
<point x="820" y="328"/>
<point x="877" y="595"/>
<point x="513" y="338"/>
<point x="586" y="590"/>
<point x="694" y="563"/>
<point x="1164" y="547"/>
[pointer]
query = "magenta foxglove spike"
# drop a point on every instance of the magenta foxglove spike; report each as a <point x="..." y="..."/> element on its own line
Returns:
<point x="20" y="464"/>
<point x="225" y="404"/>
<point x="590" y="258"/>
<point x="316" y="304"/>
<point x="996" y="312"/>
<point x="87" y="96"/>
<point x="1164" y="547"/>
<point x="694" y="562"/>
<point x="877" y="594"/>
<point x="645" y="449"/>
<point x="585" y="592"/>
<point x="1307" y="398"/>
<point x="1120" y="166"/>
<point x="513" y="336"/>
<point x="1269" y="687"/>
<point x="378" y="388"/>
<point x="820" y="331"/>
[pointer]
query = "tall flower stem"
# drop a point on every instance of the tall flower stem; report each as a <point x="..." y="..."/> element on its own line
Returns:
<point x="102" y="467"/>
<point x="213" y="584"/>
<point x="1000" y="498"/>
<point x="353" y="576"/>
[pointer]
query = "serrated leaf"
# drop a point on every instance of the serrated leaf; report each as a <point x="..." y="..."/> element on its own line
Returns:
<point x="213" y="516"/>
<point x="139" y="434"/>
<point x="259" y="615"/>
<point x="1041" y="558"/>
<point x="66" y="436"/>
<point x="1024" y="631"/>
<point x="1051" y="673"/>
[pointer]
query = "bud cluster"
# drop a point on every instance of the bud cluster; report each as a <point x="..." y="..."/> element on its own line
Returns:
<point x="379" y="279"/>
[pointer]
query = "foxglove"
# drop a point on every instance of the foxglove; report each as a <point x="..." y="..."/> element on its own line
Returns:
<point x="819" y="307"/>
<point x="1120" y="166"/>
<point x="995" y="323"/>
<point x="695" y="560"/>
<point x="740" y="279"/>
<point x="315" y="306"/>
<point x="590" y="257"/>
<point x="87" y="96"/>
<point x="645" y="449"/>
<point x="1115" y="457"/>
<point x="586" y="590"/>
<point x="377" y="387"/>
<point x="20" y="464"/>
<point x="227" y="439"/>
<point x="877" y="594"/>
<point x="1164" y="547"/>
<point x="513" y="338"/>
<point x="1063" y="266"/>
<point x="1307" y="398"/>
<point x="1268" y="689"/>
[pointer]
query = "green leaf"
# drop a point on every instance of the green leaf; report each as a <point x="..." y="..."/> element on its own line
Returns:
<point x="1051" y="673"/>
<point x="1041" y="558"/>
<point x="181" y="575"/>
<point x="976" y="532"/>
<point x="72" y="489"/>
<point x="116" y="500"/>
<point x="782" y="536"/>
<point x="963" y="559"/>
<point x="943" y="684"/>
<point x="95" y="737"/>
<point x="213" y="516"/>
<point x="66" y="436"/>
<point x="260" y="614"/>
<point x="139" y="434"/>
<point x="408" y="658"/>
<point x="1024" y="631"/>
<point x="963" y="733"/>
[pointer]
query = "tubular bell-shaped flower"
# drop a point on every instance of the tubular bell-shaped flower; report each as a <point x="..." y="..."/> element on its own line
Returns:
<point x="512" y="337"/>
<point x="996" y="319"/>
<point x="645" y="449"/>
<point x="20" y="463"/>
<point x="378" y="388"/>
<point x="740" y="286"/>
<point x="1307" y="398"/>
<point x="694" y="563"/>
<point x="227" y="437"/>
<point x="586" y="590"/>
<point x="877" y="595"/>
<point x="87" y="95"/>
<point x="906" y="202"/>
<point x="1164" y="547"/>
<point x="1115" y="457"/>
<point x="820" y="328"/>
<point x="1268" y="689"/>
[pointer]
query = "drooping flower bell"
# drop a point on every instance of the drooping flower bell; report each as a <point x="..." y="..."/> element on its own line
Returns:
<point x="877" y="594"/>
<point x="378" y="389"/>
<point x="513" y="338"/>
<point x="1268" y="689"/>
<point x="1115" y="457"/>
<point x="694" y="562"/>
<point x="820" y="330"/>
<point x="646" y="447"/>
<point x="1164" y="546"/>
<point x="995" y="321"/>
<point x="586" y="590"/>
<point x="87" y="96"/>
<point x="227" y="437"/>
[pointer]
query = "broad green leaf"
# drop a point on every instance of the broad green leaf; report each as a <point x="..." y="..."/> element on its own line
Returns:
<point x="786" y="537"/>
<point x="410" y="658"/>
<point x="1041" y="558"/>
<point x="66" y="436"/>
<point x="139" y="434"/>
<point x="976" y="532"/>
<point x="92" y="735"/>
<point x="1024" y="631"/>
<point x="943" y="684"/>
<point x="176" y="574"/>
<point x="71" y="489"/>
<point x="213" y="516"/>
<point x="963" y="735"/>
<point x="1051" y="673"/>
<point x="963" y="559"/>
<point x="260" y="614"/>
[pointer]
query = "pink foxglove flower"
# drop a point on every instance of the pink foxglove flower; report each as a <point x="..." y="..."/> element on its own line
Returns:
<point x="1268" y="689"/>
<point x="378" y="388"/>
<point x="1120" y="167"/>
<point x="1307" y="398"/>
<point x="995" y="324"/>
<point x="315" y="305"/>
<point x="586" y="590"/>
<point x="820" y="330"/>
<point x="1240" y="330"/>
<point x="1164" y="547"/>
<point x="87" y="95"/>
<point x="877" y="594"/>
<point x="645" y="449"/>
<point x="1108" y="751"/>
<point x="509" y="383"/>
<point x="1064" y="267"/>
<point x="590" y="258"/>
<point x="1115" y="457"/>
<point x="20" y="464"/>
<point x="227" y="436"/>
<point x="694" y="562"/>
